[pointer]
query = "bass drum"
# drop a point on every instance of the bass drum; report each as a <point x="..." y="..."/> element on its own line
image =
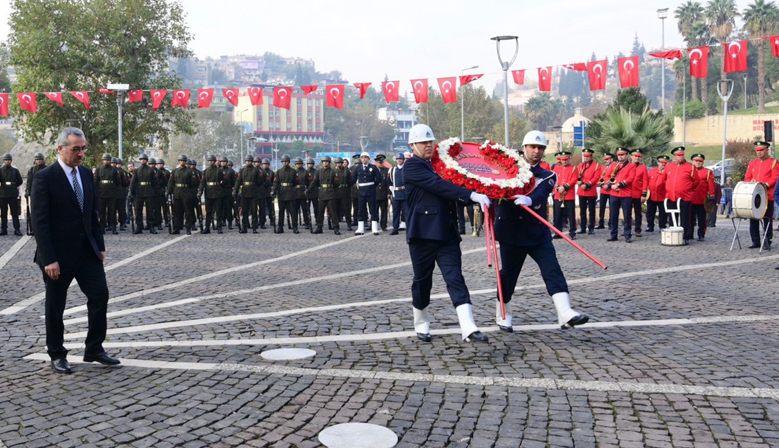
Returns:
<point x="750" y="200"/>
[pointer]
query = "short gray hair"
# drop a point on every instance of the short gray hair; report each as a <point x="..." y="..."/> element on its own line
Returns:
<point x="62" y="139"/>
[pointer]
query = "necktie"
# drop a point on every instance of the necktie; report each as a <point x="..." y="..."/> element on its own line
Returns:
<point x="77" y="189"/>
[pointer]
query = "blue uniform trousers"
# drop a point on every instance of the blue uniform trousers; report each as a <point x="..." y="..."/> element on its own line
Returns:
<point x="367" y="196"/>
<point x="513" y="257"/>
<point x="424" y="256"/>
<point x="626" y="204"/>
<point x="397" y="206"/>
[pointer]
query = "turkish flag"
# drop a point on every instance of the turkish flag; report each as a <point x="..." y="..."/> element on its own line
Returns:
<point x="390" y="91"/>
<point x="82" y="96"/>
<point x="204" y="97"/>
<point x="135" y="95"/>
<point x="309" y="89"/>
<point x="362" y="87"/>
<point x="420" y="90"/>
<point x="28" y="102"/>
<point x="468" y="78"/>
<point x="736" y="56"/>
<point x="671" y="54"/>
<point x="545" y="79"/>
<point x="282" y="97"/>
<point x="106" y="91"/>
<point x="448" y="88"/>
<point x="597" y="71"/>
<point x="4" y="104"/>
<point x="774" y="45"/>
<point x="699" y="62"/>
<point x="231" y="95"/>
<point x="180" y="98"/>
<point x="335" y="96"/>
<point x="519" y="77"/>
<point x="579" y="67"/>
<point x="54" y="96"/>
<point x="628" y="72"/>
<point x="156" y="98"/>
<point x="255" y="95"/>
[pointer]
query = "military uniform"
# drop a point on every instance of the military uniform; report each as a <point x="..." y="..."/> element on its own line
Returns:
<point x="354" y="191"/>
<point x="284" y="186"/>
<point x="621" y="196"/>
<point x="31" y="173"/>
<point x="603" y="201"/>
<point x="701" y="194"/>
<point x="198" y="176"/>
<point x="121" y="201"/>
<point x="262" y="192"/>
<point x="398" y="189"/>
<point x="325" y="180"/>
<point x="10" y="181"/>
<point x="313" y="196"/>
<point x="765" y="171"/>
<point x="300" y="193"/>
<point x="228" y="204"/>
<point x="107" y="182"/>
<point x="212" y="184"/>
<point x="367" y="177"/>
<point x="163" y="201"/>
<point x="269" y="206"/>
<point x="655" y="205"/>
<point x="248" y="183"/>
<point x="679" y="185"/>
<point x="343" y="197"/>
<point x="180" y="184"/>
<point x="382" y="193"/>
<point x="158" y="197"/>
<point x="589" y="173"/>
<point x="565" y="202"/>
<point x="638" y="190"/>
<point x="142" y="187"/>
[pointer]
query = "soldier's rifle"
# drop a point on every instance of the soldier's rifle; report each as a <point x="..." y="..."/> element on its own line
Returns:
<point x="28" y="215"/>
<point x="199" y="213"/>
<point x="168" y="203"/>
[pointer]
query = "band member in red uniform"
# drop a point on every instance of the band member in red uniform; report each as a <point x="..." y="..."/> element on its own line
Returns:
<point x="679" y="184"/>
<point x="764" y="169"/>
<point x="564" y="196"/>
<point x="702" y="193"/>
<point x="638" y="189"/>
<point x="608" y="165"/>
<point x="656" y="195"/>
<point x="620" y="185"/>
<point x="589" y="175"/>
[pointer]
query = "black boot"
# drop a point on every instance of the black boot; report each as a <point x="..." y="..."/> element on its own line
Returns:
<point x="153" y="230"/>
<point x="254" y="230"/>
<point x="189" y="232"/>
<point x="295" y="230"/>
<point x="113" y="230"/>
<point x="317" y="230"/>
<point x="219" y="229"/>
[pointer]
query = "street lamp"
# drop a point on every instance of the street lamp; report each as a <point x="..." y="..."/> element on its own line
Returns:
<point x="662" y="14"/>
<point x="251" y="141"/>
<point x="240" y="123"/>
<point x="560" y="130"/>
<point x="462" y="105"/>
<point x="744" y="76"/>
<point x="724" y="89"/>
<point x="120" y="89"/>
<point x="505" y="66"/>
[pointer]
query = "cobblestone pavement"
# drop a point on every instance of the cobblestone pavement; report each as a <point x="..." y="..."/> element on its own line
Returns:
<point x="680" y="351"/>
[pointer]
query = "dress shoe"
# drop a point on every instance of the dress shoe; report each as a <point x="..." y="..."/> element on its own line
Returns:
<point x="612" y="239"/>
<point x="462" y="231"/>
<point x="477" y="336"/>
<point x="254" y="230"/>
<point x="685" y="242"/>
<point x="337" y="231"/>
<point x="591" y="232"/>
<point x="424" y="337"/>
<point x="295" y="230"/>
<point x="349" y="228"/>
<point x="777" y="268"/>
<point x="394" y="232"/>
<point x="581" y="319"/>
<point x="61" y="365"/>
<point x="189" y="232"/>
<point x="3" y="232"/>
<point x="506" y="329"/>
<point x="280" y="229"/>
<point x="384" y="229"/>
<point x="176" y="232"/>
<point x="650" y="230"/>
<point x="628" y="240"/>
<point x="159" y="226"/>
<point x="206" y="231"/>
<point x="754" y="246"/>
<point x="102" y="358"/>
<point x="153" y="231"/>
<point x="262" y="226"/>
<point x="572" y="236"/>
<point x="317" y="230"/>
<point x="122" y="228"/>
<point x="638" y="234"/>
<point x="243" y="231"/>
<point x="114" y="231"/>
<point x="17" y="232"/>
<point x="601" y="227"/>
<point x="557" y="237"/>
<point x="229" y="226"/>
<point x="700" y="238"/>
<point x="582" y="231"/>
<point x="219" y="230"/>
<point x="137" y="231"/>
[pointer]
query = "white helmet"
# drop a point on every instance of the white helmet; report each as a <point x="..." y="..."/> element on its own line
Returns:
<point x="535" y="138"/>
<point x="420" y="133"/>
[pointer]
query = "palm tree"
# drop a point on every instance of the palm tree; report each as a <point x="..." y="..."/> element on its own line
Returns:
<point x="760" y="21"/>
<point x="619" y="127"/>
<point x="721" y="16"/>
<point x="688" y="15"/>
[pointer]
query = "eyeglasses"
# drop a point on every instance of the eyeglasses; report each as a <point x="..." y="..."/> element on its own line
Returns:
<point x="77" y="149"/>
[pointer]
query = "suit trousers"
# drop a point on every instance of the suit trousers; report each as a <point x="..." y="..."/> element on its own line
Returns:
<point x="140" y="201"/>
<point x="567" y="214"/>
<point x="754" y="226"/>
<point x="88" y="271"/>
<point x="512" y="258"/>
<point x="636" y="203"/>
<point x="699" y="219"/>
<point x="106" y="210"/>
<point x="397" y="206"/>
<point x="248" y="207"/>
<point x="13" y="205"/>
<point x="652" y="208"/>
<point x="424" y="256"/>
<point x="587" y="210"/>
<point x="624" y="204"/>
<point x="331" y="205"/>
<point x="603" y="203"/>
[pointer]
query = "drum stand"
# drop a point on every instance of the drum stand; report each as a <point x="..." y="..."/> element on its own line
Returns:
<point x="737" y="226"/>
<point x="675" y="213"/>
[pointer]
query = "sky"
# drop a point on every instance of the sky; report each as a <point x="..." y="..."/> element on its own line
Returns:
<point x="409" y="39"/>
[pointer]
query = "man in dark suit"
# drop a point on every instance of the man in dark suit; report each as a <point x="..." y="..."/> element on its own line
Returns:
<point x="431" y="233"/>
<point x="70" y="245"/>
<point x="520" y="234"/>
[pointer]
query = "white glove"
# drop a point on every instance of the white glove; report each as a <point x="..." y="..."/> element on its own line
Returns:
<point x="481" y="199"/>
<point x="522" y="200"/>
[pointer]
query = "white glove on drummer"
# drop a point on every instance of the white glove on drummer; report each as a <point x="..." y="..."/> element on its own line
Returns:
<point x="522" y="200"/>
<point x="481" y="199"/>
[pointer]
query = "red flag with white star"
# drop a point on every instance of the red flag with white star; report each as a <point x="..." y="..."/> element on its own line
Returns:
<point x="448" y="88"/>
<point x="28" y="102"/>
<point x="335" y="96"/>
<point x="135" y="95"/>
<point x="54" y="96"/>
<point x="231" y="95"/>
<point x="578" y="67"/>
<point x="736" y="56"/>
<point x="420" y="90"/>
<point x="255" y="95"/>
<point x="774" y="45"/>
<point x="362" y="87"/>
<point x="699" y="62"/>
<point x="468" y="78"/>
<point x="308" y="89"/>
<point x="628" y="72"/>
<point x="545" y="79"/>
<point x="180" y="98"/>
<point x="597" y="71"/>
<point x="519" y="77"/>
<point x="4" y="104"/>
<point x="282" y="97"/>
<point x="156" y="98"/>
<point x="204" y="97"/>
<point x="82" y="96"/>
<point x="390" y="91"/>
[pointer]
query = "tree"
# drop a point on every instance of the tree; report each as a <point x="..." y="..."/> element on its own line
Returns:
<point x="482" y="113"/>
<point x="721" y="16"/>
<point x="214" y="133"/>
<point x="517" y="130"/>
<point x="544" y="111"/>
<point x="638" y="49"/>
<point x="65" y="45"/>
<point x="760" y="20"/>
<point x="620" y="127"/>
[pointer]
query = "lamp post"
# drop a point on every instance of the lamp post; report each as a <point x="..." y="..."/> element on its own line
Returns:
<point x="462" y="105"/>
<point x="120" y="89"/>
<point x="240" y="123"/>
<point x="744" y="76"/>
<point x="251" y="141"/>
<point x="505" y="66"/>
<point x="724" y="89"/>
<point x="560" y="131"/>
<point x="662" y="14"/>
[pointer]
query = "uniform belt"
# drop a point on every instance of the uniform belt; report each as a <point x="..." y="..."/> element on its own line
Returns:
<point x="298" y="186"/>
<point x="248" y="183"/>
<point x="9" y="183"/>
<point x="400" y="188"/>
<point x="284" y="184"/>
<point x="181" y="185"/>
<point x="365" y="184"/>
<point x="145" y="183"/>
<point x="212" y="184"/>
<point x="326" y="185"/>
<point x="106" y="181"/>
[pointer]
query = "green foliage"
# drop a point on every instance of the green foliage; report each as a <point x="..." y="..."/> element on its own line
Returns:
<point x="214" y="133"/>
<point x="695" y="109"/>
<point x="544" y="111"/>
<point x="65" y="45"/>
<point x="482" y="114"/>
<point x="632" y="100"/>
<point x="620" y="127"/>
<point x="359" y="118"/>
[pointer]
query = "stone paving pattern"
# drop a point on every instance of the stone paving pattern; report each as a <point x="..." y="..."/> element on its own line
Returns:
<point x="160" y="407"/>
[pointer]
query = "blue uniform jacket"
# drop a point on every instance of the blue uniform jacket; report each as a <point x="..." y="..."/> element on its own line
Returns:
<point x="395" y="179"/>
<point x="366" y="174"/>
<point x="431" y="202"/>
<point x="516" y="226"/>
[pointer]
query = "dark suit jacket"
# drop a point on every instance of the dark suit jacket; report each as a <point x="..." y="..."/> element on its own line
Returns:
<point x="514" y="225"/>
<point x="61" y="230"/>
<point x="431" y="200"/>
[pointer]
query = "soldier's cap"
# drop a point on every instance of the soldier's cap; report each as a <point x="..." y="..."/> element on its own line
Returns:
<point x="608" y="155"/>
<point x="759" y="145"/>
<point x="379" y="157"/>
<point x="365" y="154"/>
<point x="223" y="159"/>
<point x="191" y="162"/>
<point x="183" y="157"/>
<point x="257" y="159"/>
<point x="698" y="157"/>
<point x="115" y="160"/>
<point x="229" y="163"/>
<point x="621" y="150"/>
<point x="636" y="152"/>
<point x="678" y="151"/>
<point x="339" y="160"/>
<point x="663" y="159"/>
<point x="309" y="161"/>
<point x="298" y="160"/>
<point x="356" y="156"/>
<point x="587" y="151"/>
<point x="265" y="162"/>
<point x="160" y="161"/>
<point x="107" y="156"/>
<point x="563" y="155"/>
<point x="211" y="158"/>
<point x="39" y="156"/>
<point x="400" y="156"/>
<point x="153" y="161"/>
<point x="143" y="156"/>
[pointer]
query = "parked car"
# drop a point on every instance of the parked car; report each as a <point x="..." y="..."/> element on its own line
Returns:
<point x="717" y="167"/>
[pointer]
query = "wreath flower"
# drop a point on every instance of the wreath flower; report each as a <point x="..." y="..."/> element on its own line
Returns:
<point x="519" y="179"/>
